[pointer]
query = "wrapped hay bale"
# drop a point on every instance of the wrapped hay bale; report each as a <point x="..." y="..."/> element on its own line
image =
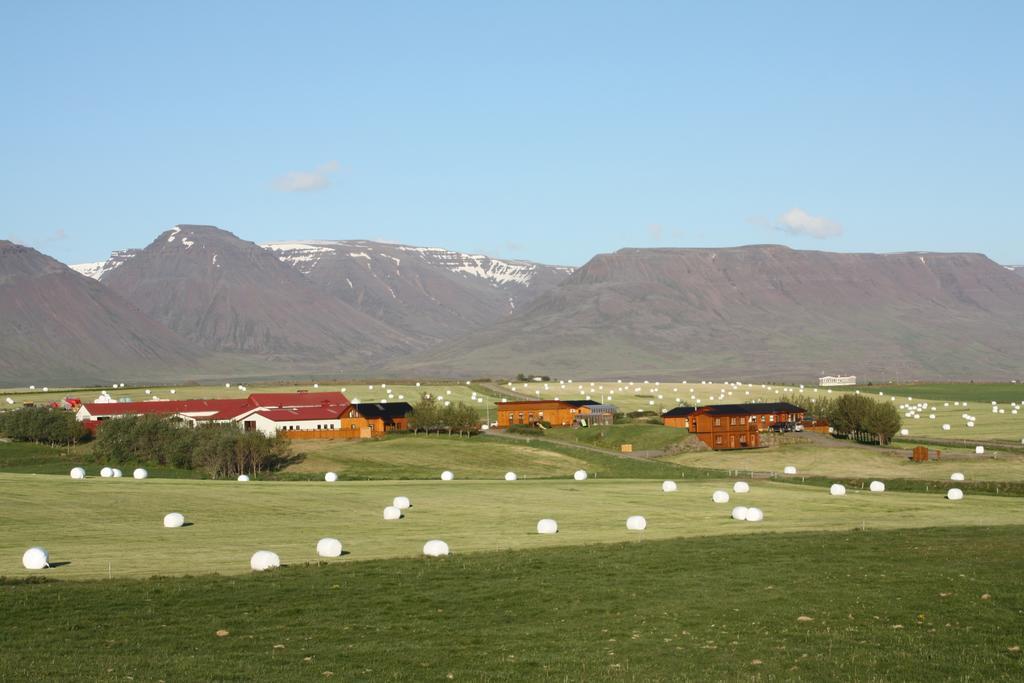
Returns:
<point x="243" y="477"/>
<point x="979" y="450"/>
<point x="391" y="513"/>
<point x="954" y="494"/>
<point x="401" y="502"/>
<point x="140" y="473"/>
<point x="956" y="476"/>
<point x="741" y="487"/>
<point x="118" y="473"/>
<point x="78" y="473"/>
<point x="876" y="487"/>
<point x="789" y="469"/>
<point x="579" y="475"/>
<point x="447" y="475"/>
<point x="837" y="490"/>
<point x="106" y="472"/>
<point x="720" y="496"/>
<point x="755" y="515"/>
<point x="35" y="558"/>
<point x="173" y="520"/>
<point x="946" y="427"/>
<point x="510" y="476"/>
<point x="547" y="526"/>
<point x="435" y="548"/>
<point x="739" y="513"/>
<point x="904" y="432"/>
<point x="263" y="560"/>
<point x="636" y="523"/>
<point x="328" y="547"/>
<point x="669" y="486"/>
<point x="331" y="477"/>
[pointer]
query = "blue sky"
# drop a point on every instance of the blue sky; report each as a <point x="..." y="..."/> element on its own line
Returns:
<point x="548" y="131"/>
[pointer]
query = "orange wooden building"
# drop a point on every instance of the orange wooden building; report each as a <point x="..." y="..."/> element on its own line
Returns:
<point x="727" y="427"/>
<point x="376" y="419"/>
<point x="555" y="413"/>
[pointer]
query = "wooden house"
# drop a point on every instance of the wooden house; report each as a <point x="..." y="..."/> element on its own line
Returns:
<point x="556" y="413"/>
<point x="378" y="418"/>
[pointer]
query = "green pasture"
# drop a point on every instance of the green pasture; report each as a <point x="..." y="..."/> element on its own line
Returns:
<point x="113" y="527"/>
<point x="854" y="462"/>
<point x="1003" y="392"/>
<point x="643" y="437"/>
<point x="908" y="605"/>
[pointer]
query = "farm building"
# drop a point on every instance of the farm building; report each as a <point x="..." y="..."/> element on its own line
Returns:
<point x="378" y="418"/>
<point x="725" y="427"/>
<point x="837" y="381"/>
<point x="734" y="426"/>
<point x="267" y="413"/>
<point x="556" y="413"/>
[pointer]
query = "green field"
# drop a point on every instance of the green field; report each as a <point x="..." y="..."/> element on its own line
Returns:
<point x="113" y="527"/>
<point x="857" y="462"/>
<point x="953" y="391"/>
<point x="927" y="605"/>
<point x="643" y="437"/>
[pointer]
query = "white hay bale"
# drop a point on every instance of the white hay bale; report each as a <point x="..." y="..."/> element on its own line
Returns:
<point x="789" y="469"/>
<point x="904" y="431"/>
<point x="946" y="427"/>
<point x="106" y="472"/>
<point x="35" y="558"/>
<point x="876" y="487"/>
<point x="837" y="490"/>
<point x="954" y="494"/>
<point x="243" y="477"/>
<point x="636" y="523"/>
<point x="741" y="487"/>
<point x="720" y="496"/>
<point x="173" y="520"/>
<point x="579" y="475"/>
<point x="739" y="513"/>
<point x="971" y="424"/>
<point x="328" y="547"/>
<point x="263" y="560"/>
<point x="979" y="450"/>
<point x="956" y="476"/>
<point x="669" y="486"/>
<point x="331" y="477"/>
<point x="447" y="475"/>
<point x="118" y="473"/>
<point x="755" y="515"/>
<point x="435" y="548"/>
<point x="510" y="476"/>
<point x="547" y="526"/>
<point x="78" y="473"/>
<point x="401" y="502"/>
<point x="140" y="473"/>
<point x="392" y="513"/>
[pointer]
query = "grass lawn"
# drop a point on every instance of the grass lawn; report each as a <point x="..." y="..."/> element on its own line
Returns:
<point x="853" y="462"/>
<point x="425" y="457"/>
<point x="644" y="437"/>
<point x="927" y="604"/>
<point x="31" y="458"/>
<point x="1004" y="392"/>
<point x="99" y="523"/>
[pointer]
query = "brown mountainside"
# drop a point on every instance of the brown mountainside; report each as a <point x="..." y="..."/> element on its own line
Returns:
<point x="761" y="312"/>
<point x="230" y="295"/>
<point x="60" y="327"/>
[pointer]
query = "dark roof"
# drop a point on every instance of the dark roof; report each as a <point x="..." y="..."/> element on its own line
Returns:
<point x="383" y="410"/>
<point x="752" y="409"/>
<point x="681" y="411"/>
<point x="581" y="403"/>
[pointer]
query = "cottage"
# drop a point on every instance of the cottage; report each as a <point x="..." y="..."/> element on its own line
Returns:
<point x="557" y="413"/>
<point x="377" y="418"/>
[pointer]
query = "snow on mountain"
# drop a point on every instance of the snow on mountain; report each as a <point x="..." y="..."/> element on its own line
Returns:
<point x="98" y="269"/>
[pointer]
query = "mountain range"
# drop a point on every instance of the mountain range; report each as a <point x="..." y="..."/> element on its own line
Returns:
<point x="200" y="302"/>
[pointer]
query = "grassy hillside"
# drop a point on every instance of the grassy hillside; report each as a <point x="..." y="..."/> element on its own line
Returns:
<point x="929" y="604"/>
<point x="643" y="437"/>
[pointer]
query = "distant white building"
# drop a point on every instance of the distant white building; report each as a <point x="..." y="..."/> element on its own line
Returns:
<point x="837" y="380"/>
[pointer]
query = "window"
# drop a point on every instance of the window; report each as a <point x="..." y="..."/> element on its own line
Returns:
<point x="771" y="418"/>
<point x="732" y="421"/>
<point x="718" y="440"/>
<point x="718" y="422"/>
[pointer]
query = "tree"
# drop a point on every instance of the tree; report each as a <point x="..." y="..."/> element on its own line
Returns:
<point x="849" y="414"/>
<point x="426" y="414"/>
<point x="882" y="420"/>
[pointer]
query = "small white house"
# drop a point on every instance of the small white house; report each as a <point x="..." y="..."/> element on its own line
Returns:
<point x="837" y="381"/>
<point x="270" y="422"/>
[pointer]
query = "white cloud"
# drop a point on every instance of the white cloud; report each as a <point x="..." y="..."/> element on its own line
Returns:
<point x="306" y="181"/>
<point x="799" y="222"/>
